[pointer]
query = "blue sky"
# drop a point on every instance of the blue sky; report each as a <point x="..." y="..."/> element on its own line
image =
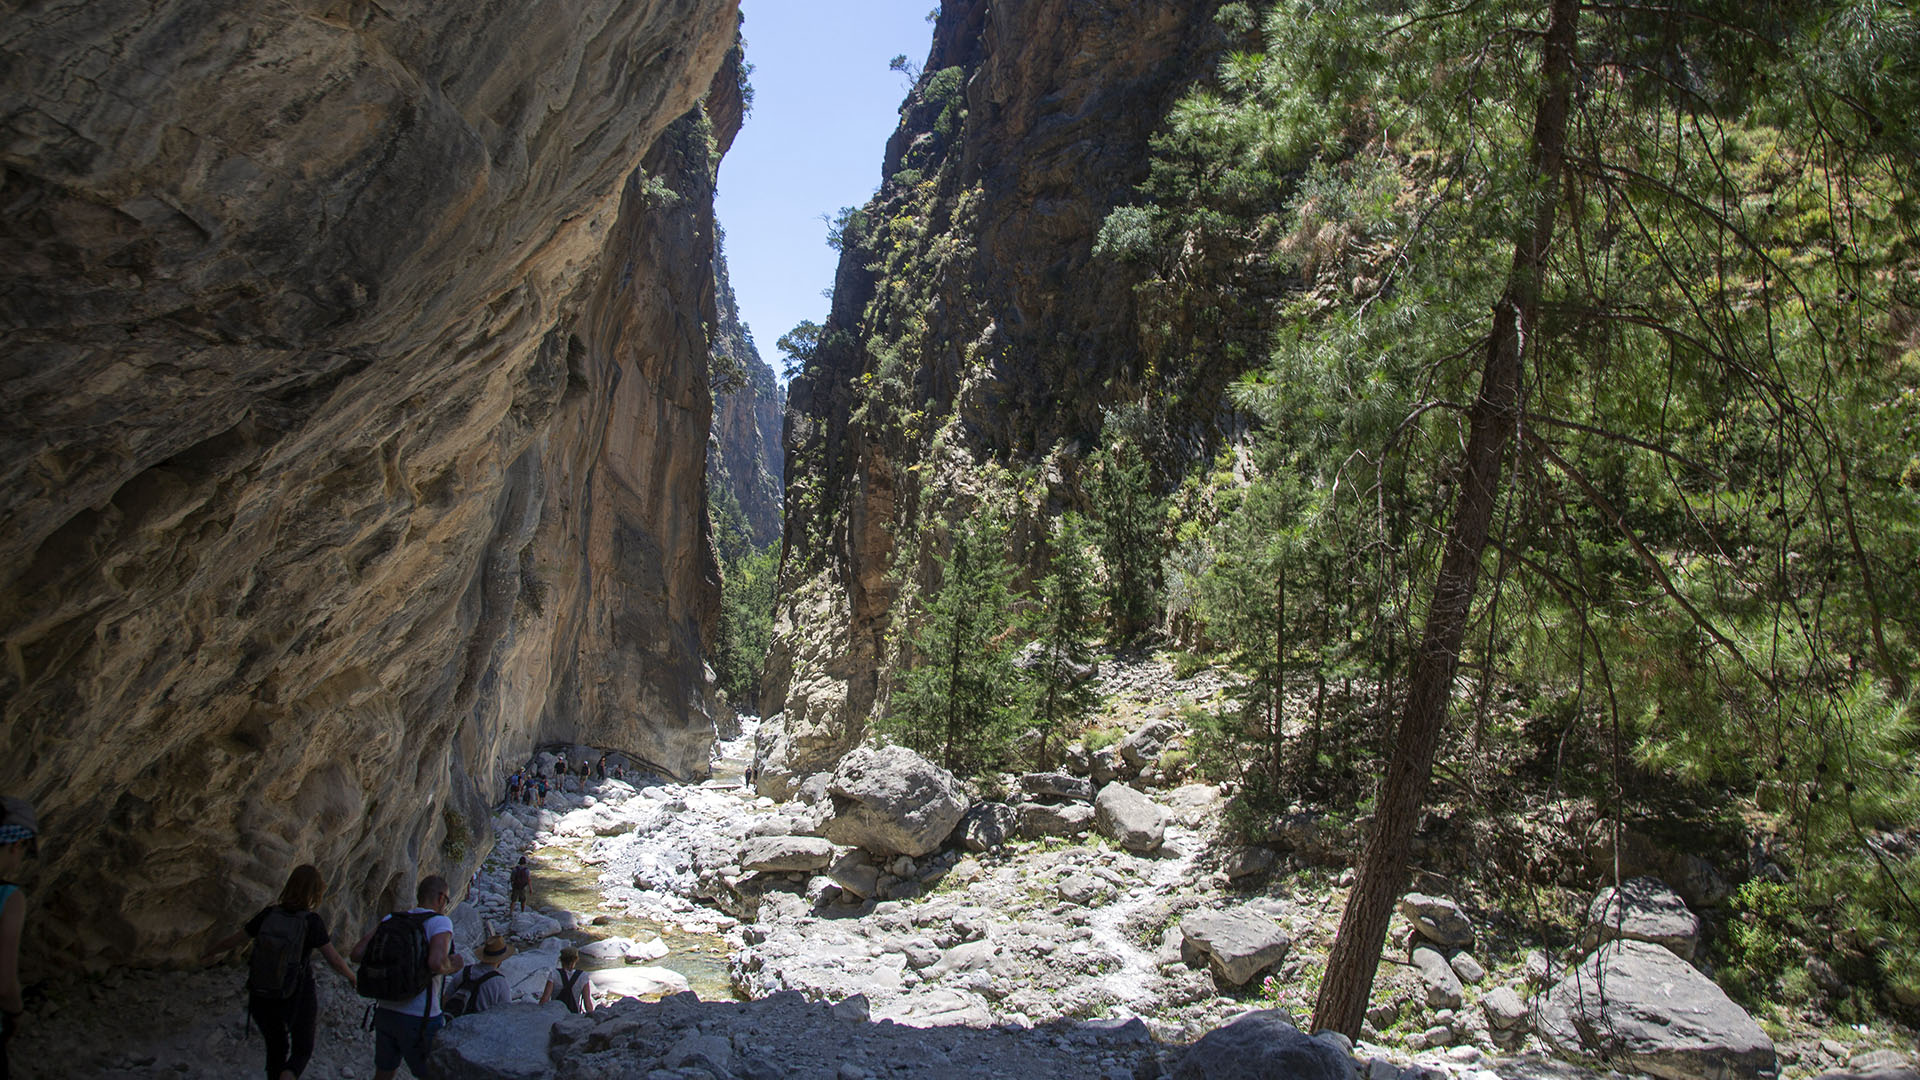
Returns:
<point x="824" y="105"/>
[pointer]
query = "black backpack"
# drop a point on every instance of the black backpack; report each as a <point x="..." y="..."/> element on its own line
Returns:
<point x="522" y="877"/>
<point x="394" y="965"/>
<point x="279" y="948"/>
<point x="569" y="994"/>
<point x="464" y="998"/>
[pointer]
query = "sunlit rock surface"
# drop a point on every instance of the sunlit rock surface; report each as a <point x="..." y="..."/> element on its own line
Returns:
<point x="1027" y="336"/>
<point x="355" y="405"/>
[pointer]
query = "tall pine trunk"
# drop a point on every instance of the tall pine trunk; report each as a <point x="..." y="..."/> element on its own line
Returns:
<point x="1491" y="425"/>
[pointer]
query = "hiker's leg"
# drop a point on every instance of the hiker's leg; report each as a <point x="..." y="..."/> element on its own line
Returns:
<point x="271" y="1017"/>
<point x="422" y="1044"/>
<point x="303" y="1013"/>
<point x="390" y="1030"/>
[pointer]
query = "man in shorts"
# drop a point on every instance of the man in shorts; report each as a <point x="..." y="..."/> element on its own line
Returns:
<point x="404" y="1030"/>
<point x="521" y="879"/>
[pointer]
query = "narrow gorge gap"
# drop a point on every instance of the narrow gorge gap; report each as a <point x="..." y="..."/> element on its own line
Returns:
<point x="1016" y="650"/>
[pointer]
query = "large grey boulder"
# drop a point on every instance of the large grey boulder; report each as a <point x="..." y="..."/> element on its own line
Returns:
<point x="1437" y="919"/>
<point x="855" y="874"/>
<point x="1643" y="909"/>
<point x="987" y="826"/>
<point x="1144" y="747"/>
<point x="1636" y="1004"/>
<point x="1438" y="977"/>
<point x="892" y="801"/>
<point x="1038" y="820"/>
<point x="1237" y="945"/>
<point x="1129" y="818"/>
<point x="510" y="1045"/>
<point x="1263" y="1045"/>
<point x="1504" y="1010"/>
<point x="785" y="854"/>
<point x="1056" y="786"/>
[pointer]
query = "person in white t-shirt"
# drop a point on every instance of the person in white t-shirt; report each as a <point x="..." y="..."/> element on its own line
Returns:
<point x="569" y="985"/>
<point x="404" y="1030"/>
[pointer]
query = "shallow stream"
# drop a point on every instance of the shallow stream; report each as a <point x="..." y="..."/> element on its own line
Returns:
<point x="561" y="879"/>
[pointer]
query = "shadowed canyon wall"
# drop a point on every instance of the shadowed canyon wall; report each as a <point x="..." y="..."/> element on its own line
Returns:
<point x="972" y="326"/>
<point x="744" y="459"/>
<point x="353" y="438"/>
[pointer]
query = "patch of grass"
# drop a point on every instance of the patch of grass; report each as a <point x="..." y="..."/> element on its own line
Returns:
<point x="1188" y="664"/>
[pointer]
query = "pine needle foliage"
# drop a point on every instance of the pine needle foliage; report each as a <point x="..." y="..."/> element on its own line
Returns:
<point x="1062" y="694"/>
<point x="1709" y="523"/>
<point x="959" y="701"/>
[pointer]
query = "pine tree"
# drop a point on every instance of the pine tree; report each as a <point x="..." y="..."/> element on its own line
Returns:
<point x="1126" y="521"/>
<point x="1062" y="697"/>
<point x="959" y="700"/>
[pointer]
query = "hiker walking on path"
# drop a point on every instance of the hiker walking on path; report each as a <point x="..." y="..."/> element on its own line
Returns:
<point x="19" y="841"/>
<point x="281" y="995"/>
<point x="399" y="961"/>
<point x="572" y="986"/>
<point x="520" y="881"/>
<point x="541" y="787"/>
<point x="480" y="986"/>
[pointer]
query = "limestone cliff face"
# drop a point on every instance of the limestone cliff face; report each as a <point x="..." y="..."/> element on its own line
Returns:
<point x="972" y="329"/>
<point x="744" y="458"/>
<point x="355" y="404"/>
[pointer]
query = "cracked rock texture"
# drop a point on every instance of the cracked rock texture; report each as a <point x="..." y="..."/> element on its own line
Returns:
<point x="353" y="439"/>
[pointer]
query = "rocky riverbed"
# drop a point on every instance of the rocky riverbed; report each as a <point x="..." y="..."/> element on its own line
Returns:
<point x="736" y="941"/>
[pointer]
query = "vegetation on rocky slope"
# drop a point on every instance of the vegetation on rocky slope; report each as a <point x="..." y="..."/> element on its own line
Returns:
<point x="1702" y="521"/>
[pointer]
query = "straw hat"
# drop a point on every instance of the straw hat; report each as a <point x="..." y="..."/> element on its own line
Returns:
<point x="496" y="949"/>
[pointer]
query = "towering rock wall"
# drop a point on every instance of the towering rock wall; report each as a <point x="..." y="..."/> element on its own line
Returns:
<point x="744" y="460"/>
<point x="355" y="405"/>
<point x="973" y="332"/>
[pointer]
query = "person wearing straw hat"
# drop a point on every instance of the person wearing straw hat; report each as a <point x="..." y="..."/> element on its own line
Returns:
<point x="480" y="986"/>
<point x="19" y="841"/>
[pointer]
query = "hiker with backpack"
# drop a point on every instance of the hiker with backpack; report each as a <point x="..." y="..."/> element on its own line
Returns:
<point x="19" y="841"/>
<point x="572" y="986"/>
<point x="281" y="995"/>
<point x="519" y="881"/>
<point x="400" y="960"/>
<point x="479" y="986"/>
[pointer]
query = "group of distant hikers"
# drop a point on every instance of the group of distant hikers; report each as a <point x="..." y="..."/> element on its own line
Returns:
<point x="529" y="786"/>
<point x="407" y="966"/>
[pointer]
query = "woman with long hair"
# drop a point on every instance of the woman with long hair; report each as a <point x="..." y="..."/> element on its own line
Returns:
<point x="282" y="997"/>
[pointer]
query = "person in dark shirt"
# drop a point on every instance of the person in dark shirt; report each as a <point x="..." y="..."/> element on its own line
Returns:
<point x="287" y="1023"/>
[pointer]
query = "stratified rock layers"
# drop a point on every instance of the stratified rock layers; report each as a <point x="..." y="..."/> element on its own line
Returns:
<point x="354" y="432"/>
